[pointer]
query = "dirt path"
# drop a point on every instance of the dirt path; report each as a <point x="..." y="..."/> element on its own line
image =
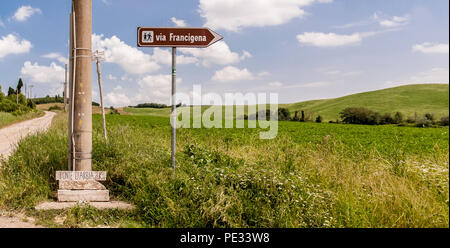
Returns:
<point x="9" y="137"/>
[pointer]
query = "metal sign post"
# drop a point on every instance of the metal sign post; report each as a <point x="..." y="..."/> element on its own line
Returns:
<point x="174" y="105"/>
<point x="176" y="37"/>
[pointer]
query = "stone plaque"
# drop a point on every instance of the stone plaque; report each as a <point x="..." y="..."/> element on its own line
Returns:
<point x="81" y="175"/>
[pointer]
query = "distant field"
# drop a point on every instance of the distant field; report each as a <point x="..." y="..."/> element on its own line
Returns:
<point x="311" y="175"/>
<point x="409" y="99"/>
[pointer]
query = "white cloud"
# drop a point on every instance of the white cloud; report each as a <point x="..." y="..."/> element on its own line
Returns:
<point x="24" y="12"/>
<point x="431" y="48"/>
<point x="437" y="75"/>
<point x="178" y="23"/>
<point x="330" y="39"/>
<point x="164" y="56"/>
<point x="10" y="44"/>
<point x="231" y="73"/>
<point x="118" y="88"/>
<point x="56" y="56"/>
<point x="1" y="23"/>
<point x="380" y="19"/>
<point x="36" y="73"/>
<point x="155" y="88"/>
<point x="233" y="15"/>
<point x="107" y="2"/>
<point x="130" y="59"/>
<point x="218" y="53"/>
<point x="117" y="99"/>
<point x="395" y="21"/>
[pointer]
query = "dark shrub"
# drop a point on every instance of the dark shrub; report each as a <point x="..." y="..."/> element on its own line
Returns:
<point x="444" y="121"/>
<point x="386" y="119"/>
<point x="284" y="114"/>
<point x="424" y="122"/>
<point x="319" y="119"/>
<point x="398" y="118"/>
<point x="429" y="116"/>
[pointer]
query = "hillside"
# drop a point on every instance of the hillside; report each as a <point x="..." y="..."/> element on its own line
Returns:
<point x="409" y="99"/>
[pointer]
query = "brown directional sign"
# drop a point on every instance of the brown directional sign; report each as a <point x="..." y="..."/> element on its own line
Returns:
<point x="176" y="37"/>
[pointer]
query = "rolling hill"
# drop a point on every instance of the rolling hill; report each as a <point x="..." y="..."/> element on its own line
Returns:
<point x="409" y="99"/>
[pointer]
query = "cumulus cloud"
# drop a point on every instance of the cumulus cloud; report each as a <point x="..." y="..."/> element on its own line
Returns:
<point x="231" y="73"/>
<point x="56" y="56"/>
<point x="10" y="44"/>
<point x="36" y="73"/>
<point x="178" y="22"/>
<point x="237" y="14"/>
<point x="24" y="12"/>
<point x="130" y="59"/>
<point x="431" y="48"/>
<point x="117" y="99"/>
<point x="155" y="88"/>
<point x="218" y="53"/>
<point x="331" y="39"/>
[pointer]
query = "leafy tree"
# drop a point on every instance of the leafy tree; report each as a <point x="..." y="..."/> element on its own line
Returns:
<point x="360" y="115"/>
<point x="11" y="91"/>
<point x="1" y="94"/>
<point x="284" y="114"/>
<point x="19" y="86"/>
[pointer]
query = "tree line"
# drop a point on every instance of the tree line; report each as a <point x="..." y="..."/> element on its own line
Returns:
<point x="362" y="116"/>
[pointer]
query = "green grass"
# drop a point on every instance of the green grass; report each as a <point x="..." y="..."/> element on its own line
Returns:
<point x="7" y="119"/>
<point x="410" y="99"/>
<point x="311" y="175"/>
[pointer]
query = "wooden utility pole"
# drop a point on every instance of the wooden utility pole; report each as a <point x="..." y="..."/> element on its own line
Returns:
<point x="82" y="101"/>
<point x="65" y="88"/>
<point x="99" y="56"/>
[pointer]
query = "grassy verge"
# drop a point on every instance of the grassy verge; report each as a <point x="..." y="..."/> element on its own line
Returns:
<point x="7" y="119"/>
<point x="311" y="175"/>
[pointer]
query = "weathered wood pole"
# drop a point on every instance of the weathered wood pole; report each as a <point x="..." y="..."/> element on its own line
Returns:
<point x="82" y="121"/>
<point x="65" y="88"/>
<point x="100" y="86"/>
<point x="71" y="59"/>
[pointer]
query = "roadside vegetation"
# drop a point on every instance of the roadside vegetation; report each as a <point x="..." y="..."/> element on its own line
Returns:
<point x="311" y="175"/>
<point x="14" y="107"/>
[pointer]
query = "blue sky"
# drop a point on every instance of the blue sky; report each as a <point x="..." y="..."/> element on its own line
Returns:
<point x="300" y="49"/>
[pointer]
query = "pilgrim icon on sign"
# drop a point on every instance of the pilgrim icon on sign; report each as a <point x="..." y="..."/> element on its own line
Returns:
<point x="147" y="36"/>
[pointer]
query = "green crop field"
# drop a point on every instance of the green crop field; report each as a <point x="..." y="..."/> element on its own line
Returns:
<point x="310" y="175"/>
<point x="410" y="99"/>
